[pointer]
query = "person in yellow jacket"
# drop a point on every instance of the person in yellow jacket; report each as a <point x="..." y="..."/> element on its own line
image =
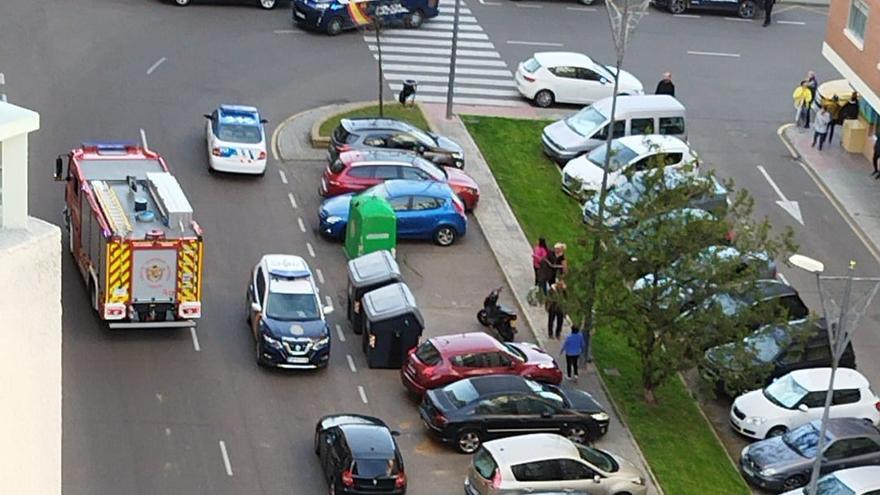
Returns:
<point x="802" y="97"/>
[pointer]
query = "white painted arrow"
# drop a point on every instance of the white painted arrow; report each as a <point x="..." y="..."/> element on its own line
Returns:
<point x="791" y="207"/>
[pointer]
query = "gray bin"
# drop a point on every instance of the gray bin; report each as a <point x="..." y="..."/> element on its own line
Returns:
<point x="365" y="273"/>
<point x="393" y="325"/>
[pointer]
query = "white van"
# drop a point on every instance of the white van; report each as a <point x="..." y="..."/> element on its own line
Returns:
<point x="637" y="114"/>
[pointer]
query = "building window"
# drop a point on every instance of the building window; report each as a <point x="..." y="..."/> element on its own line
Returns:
<point x="858" y="19"/>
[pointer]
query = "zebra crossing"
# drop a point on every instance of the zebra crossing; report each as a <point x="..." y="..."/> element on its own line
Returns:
<point x="482" y="77"/>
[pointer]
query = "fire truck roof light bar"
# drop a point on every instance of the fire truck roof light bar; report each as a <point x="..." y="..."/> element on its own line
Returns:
<point x="109" y="145"/>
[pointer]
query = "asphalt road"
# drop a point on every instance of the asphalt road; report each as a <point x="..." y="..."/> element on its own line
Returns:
<point x="145" y="412"/>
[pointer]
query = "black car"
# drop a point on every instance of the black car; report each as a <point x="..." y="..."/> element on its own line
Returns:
<point x="784" y="348"/>
<point x="359" y="455"/>
<point x="265" y="4"/>
<point x="360" y="133"/>
<point x="767" y="292"/>
<point x="474" y="410"/>
<point x="743" y="8"/>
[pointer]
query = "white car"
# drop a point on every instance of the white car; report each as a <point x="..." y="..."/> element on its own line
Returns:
<point x="630" y="154"/>
<point x="236" y="140"/>
<point x="863" y="480"/>
<point x="798" y="398"/>
<point x="568" y="77"/>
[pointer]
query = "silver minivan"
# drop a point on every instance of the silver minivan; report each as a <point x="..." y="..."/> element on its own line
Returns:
<point x="636" y="114"/>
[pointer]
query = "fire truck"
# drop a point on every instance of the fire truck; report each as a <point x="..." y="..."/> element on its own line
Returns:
<point x="132" y="235"/>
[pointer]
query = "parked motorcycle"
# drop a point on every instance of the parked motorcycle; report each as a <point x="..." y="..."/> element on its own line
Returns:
<point x="498" y="316"/>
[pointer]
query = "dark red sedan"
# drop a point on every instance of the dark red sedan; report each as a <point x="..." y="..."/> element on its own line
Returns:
<point x="357" y="170"/>
<point x="448" y="358"/>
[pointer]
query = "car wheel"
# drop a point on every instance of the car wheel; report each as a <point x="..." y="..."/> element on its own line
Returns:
<point x="587" y="2"/>
<point x="577" y="434"/>
<point x="259" y="355"/>
<point x="777" y="431"/>
<point x="468" y="441"/>
<point x="483" y="317"/>
<point x="414" y="20"/>
<point x="544" y="98"/>
<point x="181" y="3"/>
<point x="677" y="6"/>
<point x="267" y="4"/>
<point x="317" y="450"/>
<point x="445" y="236"/>
<point x="334" y="27"/>
<point x="793" y="482"/>
<point x="747" y="9"/>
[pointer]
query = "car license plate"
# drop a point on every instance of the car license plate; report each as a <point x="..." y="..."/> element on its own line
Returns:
<point x="300" y="15"/>
<point x="298" y="360"/>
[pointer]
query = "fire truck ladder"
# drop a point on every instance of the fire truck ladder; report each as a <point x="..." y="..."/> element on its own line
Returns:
<point x="112" y="207"/>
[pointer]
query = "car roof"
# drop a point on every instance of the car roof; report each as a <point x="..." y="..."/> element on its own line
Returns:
<point x="399" y="187"/>
<point x="641" y="103"/>
<point x="774" y="288"/>
<point x="860" y="479"/>
<point x="368" y="441"/>
<point x="496" y="384"/>
<point x="285" y="266"/>
<point x="849" y="427"/>
<point x="642" y="144"/>
<point x="816" y="379"/>
<point x="554" y="59"/>
<point x="238" y="114"/>
<point x="466" y="342"/>
<point x="528" y="448"/>
<point x="357" y="158"/>
<point x="374" y="123"/>
<point x="348" y="418"/>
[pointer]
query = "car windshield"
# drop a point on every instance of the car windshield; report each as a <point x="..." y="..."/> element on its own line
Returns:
<point x="531" y="65"/>
<point x="379" y="190"/>
<point x="804" y="440"/>
<point x="461" y="393"/>
<point x="546" y="391"/>
<point x="515" y="351"/>
<point x="729" y="304"/>
<point x="239" y="133"/>
<point x="421" y="135"/>
<point x="374" y="468"/>
<point x="585" y="122"/>
<point x="830" y="485"/>
<point x="765" y="344"/>
<point x="621" y="155"/>
<point x="598" y="458"/>
<point x="292" y="307"/>
<point x="785" y="392"/>
<point x="434" y="171"/>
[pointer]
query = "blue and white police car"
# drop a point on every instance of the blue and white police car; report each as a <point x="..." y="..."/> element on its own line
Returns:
<point x="335" y="16"/>
<point x="285" y="314"/>
<point x="236" y="140"/>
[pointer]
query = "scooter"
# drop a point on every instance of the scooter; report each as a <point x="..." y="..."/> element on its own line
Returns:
<point x="497" y="316"/>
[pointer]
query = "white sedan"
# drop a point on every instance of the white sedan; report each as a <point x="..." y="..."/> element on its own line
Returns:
<point x="236" y="140"/>
<point x="863" y="480"/>
<point x="799" y="397"/>
<point x="568" y="77"/>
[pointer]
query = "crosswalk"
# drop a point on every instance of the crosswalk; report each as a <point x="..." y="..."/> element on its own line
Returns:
<point x="481" y="76"/>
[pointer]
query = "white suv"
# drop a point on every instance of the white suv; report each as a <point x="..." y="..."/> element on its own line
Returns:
<point x="545" y="462"/>
<point x="799" y="397"/>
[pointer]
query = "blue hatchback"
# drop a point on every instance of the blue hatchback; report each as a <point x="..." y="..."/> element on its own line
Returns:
<point x="334" y="16"/>
<point x="424" y="209"/>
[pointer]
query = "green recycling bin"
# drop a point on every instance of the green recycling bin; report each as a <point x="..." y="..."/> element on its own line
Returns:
<point x="372" y="226"/>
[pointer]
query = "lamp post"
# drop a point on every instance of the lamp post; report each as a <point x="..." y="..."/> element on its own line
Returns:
<point x="450" y="83"/>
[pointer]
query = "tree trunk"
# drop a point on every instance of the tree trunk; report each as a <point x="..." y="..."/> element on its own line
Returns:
<point x="650" y="398"/>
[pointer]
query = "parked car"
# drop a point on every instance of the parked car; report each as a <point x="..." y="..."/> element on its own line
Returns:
<point x="855" y="481"/>
<point x="264" y="4"/>
<point x="630" y="155"/>
<point x="371" y="132"/>
<point x="568" y="77"/>
<point x="767" y="292"/>
<point x="784" y="462"/>
<point x="334" y="16"/>
<point x="743" y="8"/>
<point x="358" y="454"/>
<point x="442" y="360"/>
<point x="798" y="398"/>
<point x="236" y="140"/>
<point x="285" y="314"/>
<point x="357" y="170"/>
<point x="474" y="410"/>
<point x="425" y="210"/>
<point x="545" y="461"/>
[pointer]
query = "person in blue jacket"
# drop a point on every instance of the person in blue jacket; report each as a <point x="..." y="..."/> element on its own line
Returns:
<point x="573" y="346"/>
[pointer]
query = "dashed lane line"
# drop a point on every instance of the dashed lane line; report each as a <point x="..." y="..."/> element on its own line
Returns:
<point x="329" y="301"/>
<point x="363" y="394"/>
<point x="532" y="43"/>
<point x="737" y="19"/>
<point x="340" y="333"/>
<point x="195" y="339"/>
<point x="793" y="23"/>
<point x="226" y="463"/>
<point x="529" y="6"/>
<point x="302" y="225"/>
<point x="156" y="65"/>
<point x="351" y="365"/>
<point x="582" y="9"/>
<point x="320" y="275"/>
<point x="311" y="249"/>
<point x="687" y="16"/>
<point x="283" y="176"/>
<point x="292" y="201"/>
<point x="144" y="142"/>
<point x="714" y="54"/>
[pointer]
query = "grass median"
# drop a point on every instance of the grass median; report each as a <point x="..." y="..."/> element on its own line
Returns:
<point x="679" y="444"/>
<point x="411" y="114"/>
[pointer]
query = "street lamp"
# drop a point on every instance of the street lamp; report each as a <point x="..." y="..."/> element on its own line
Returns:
<point x="840" y="333"/>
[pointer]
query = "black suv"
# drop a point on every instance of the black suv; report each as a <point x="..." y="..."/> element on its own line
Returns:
<point x="766" y="292"/>
<point x="783" y="348"/>
<point x="360" y="133"/>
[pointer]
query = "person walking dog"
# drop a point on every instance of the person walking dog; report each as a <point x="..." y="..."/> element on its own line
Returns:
<point x="572" y="348"/>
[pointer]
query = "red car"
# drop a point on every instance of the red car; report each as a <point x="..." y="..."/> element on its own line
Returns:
<point x="357" y="170"/>
<point x="448" y="358"/>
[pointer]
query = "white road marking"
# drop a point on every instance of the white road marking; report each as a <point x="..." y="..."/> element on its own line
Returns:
<point x="484" y="2"/>
<point x="451" y="18"/>
<point x="445" y="26"/>
<point x="782" y="278"/>
<point x="363" y="394"/>
<point x="320" y="275"/>
<point x="195" y="339"/>
<point x="451" y="8"/>
<point x="431" y="42"/>
<point x="287" y="31"/>
<point x="283" y="176"/>
<point x="144" y="139"/>
<point x="442" y="60"/>
<point x="436" y="51"/>
<point x="793" y="23"/>
<point x="463" y="100"/>
<point x="311" y="249"/>
<point x="714" y="54"/>
<point x="2" y="79"/>
<point x="292" y="201"/>
<point x="687" y="16"/>
<point x="156" y="65"/>
<point x="445" y="70"/>
<point x="339" y="333"/>
<point x="435" y="34"/>
<point x="329" y="301"/>
<point x="302" y="225"/>
<point x="461" y="90"/>
<point x="532" y="43"/>
<point x="737" y="19"/>
<point x="225" y="454"/>
<point x="529" y="6"/>
<point x="583" y="9"/>
<point x="791" y="207"/>
<point x="503" y="83"/>
<point x="351" y="365"/>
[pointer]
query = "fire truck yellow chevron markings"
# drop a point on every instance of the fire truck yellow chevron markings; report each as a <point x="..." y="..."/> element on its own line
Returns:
<point x="118" y="272"/>
<point x="188" y="272"/>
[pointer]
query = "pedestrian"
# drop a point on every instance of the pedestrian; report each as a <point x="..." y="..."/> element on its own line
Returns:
<point x="573" y="346"/>
<point x="820" y="127"/>
<point x="834" y="109"/>
<point x="665" y="86"/>
<point x="555" y="312"/>
<point x="849" y="111"/>
<point x="539" y="252"/>
<point x="813" y="84"/>
<point x="559" y="261"/>
<point x="768" y="9"/>
<point x="876" y="158"/>
<point x="802" y="97"/>
<point x="547" y="272"/>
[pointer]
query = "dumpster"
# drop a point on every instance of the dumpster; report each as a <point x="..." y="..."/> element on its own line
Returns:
<point x="392" y="325"/>
<point x="365" y="273"/>
<point x="372" y="226"/>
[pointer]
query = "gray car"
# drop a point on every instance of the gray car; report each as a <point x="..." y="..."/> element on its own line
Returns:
<point x="371" y="133"/>
<point x="784" y="462"/>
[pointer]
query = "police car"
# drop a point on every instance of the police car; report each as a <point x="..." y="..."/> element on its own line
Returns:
<point x="334" y="16"/>
<point x="285" y="314"/>
<point x="236" y="140"/>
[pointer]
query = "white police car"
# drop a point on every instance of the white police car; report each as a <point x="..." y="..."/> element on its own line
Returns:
<point x="236" y="140"/>
<point x="285" y="314"/>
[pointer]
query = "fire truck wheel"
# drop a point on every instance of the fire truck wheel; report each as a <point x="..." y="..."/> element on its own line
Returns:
<point x="93" y="295"/>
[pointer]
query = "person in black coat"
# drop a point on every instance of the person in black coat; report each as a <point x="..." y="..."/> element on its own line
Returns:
<point x="768" y="9"/>
<point x="876" y="159"/>
<point x="665" y="86"/>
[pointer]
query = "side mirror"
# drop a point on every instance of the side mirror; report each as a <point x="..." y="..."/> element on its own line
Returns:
<point x="264" y="121"/>
<point x="255" y="307"/>
<point x="59" y="168"/>
<point x="803" y="408"/>
<point x="395" y="433"/>
<point x="208" y="116"/>
<point x="328" y="310"/>
<point x="597" y="479"/>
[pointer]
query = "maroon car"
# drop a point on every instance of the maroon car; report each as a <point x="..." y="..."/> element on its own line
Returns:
<point x="448" y="358"/>
<point x="357" y="170"/>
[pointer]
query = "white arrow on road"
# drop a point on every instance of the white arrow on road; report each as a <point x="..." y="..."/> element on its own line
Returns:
<point x="789" y="206"/>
